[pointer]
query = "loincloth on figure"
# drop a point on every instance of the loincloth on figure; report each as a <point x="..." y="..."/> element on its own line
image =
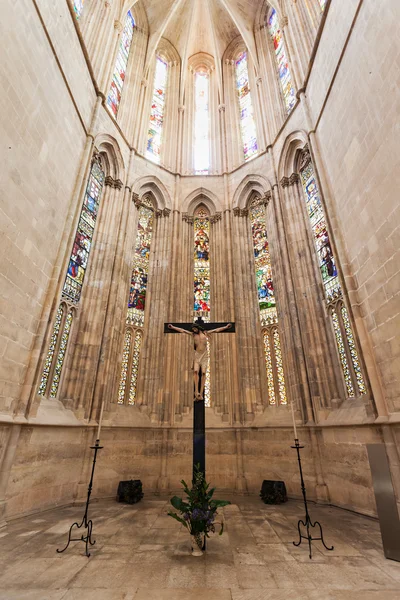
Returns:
<point x="200" y="360"/>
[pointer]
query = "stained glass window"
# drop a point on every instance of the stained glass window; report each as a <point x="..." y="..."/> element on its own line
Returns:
<point x="140" y="270"/>
<point x="157" y="111"/>
<point x="124" y="366"/>
<point x="348" y="355"/>
<point x="135" y="366"/>
<point x="247" y="123"/>
<point x="114" y="95"/>
<point x="283" y="65"/>
<point x="265" y="286"/>
<point x="353" y="351"/>
<point x="201" y="125"/>
<point x="136" y="304"/>
<point x="322" y="3"/>
<point x="202" y="280"/>
<point x="326" y="260"/>
<point x="61" y="355"/>
<point x="50" y="354"/>
<point x="270" y="371"/>
<point x="78" y="7"/>
<point x="202" y="264"/>
<point x="342" y="355"/>
<point x="267" y="306"/>
<point x="84" y="236"/>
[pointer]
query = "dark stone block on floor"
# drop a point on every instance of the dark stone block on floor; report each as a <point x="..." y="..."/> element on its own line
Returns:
<point x="273" y="492"/>
<point x="130" y="491"/>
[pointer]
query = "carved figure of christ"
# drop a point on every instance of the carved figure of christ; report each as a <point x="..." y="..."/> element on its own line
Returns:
<point x="200" y="338"/>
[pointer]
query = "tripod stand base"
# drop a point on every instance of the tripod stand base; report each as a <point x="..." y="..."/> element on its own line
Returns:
<point x="308" y="524"/>
<point x="84" y="538"/>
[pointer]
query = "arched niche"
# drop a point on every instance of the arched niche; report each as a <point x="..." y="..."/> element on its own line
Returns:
<point x="113" y="162"/>
<point x="201" y="196"/>
<point x="156" y="188"/>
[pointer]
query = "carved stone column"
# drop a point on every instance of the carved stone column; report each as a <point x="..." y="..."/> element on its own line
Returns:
<point x="89" y="325"/>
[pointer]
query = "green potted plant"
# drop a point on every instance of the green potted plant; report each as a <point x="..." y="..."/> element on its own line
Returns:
<point x="198" y="512"/>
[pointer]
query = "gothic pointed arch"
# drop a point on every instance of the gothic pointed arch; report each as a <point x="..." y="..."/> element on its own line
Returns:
<point x="249" y="185"/>
<point x="153" y="184"/>
<point x="204" y="195"/>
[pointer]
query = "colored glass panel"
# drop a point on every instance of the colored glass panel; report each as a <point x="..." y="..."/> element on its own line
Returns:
<point x="124" y="367"/>
<point x="270" y="372"/>
<point x="49" y="358"/>
<point x="265" y="286"/>
<point x="137" y="293"/>
<point x="353" y="351"/>
<point x="247" y="123"/>
<point x="78" y="7"/>
<point x="279" y="368"/>
<point x="201" y="125"/>
<point x="154" y="134"/>
<point x="282" y="61"/>
<point x="135" y="367"/>
<point x="202" y="265"/>
<point x="322" y="4"/>
<point x="114" y="94"/>
<point x="342" y="355"/>
<point x="84" y="236"/>
<point x="61" y="355"/>
<point x="326" y="260"/>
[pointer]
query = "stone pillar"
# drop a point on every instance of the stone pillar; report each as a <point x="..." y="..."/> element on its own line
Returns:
<point x="233" y="136"/>
<point x="109" y="368"/>
<point x="314" y="320"/>
<point x="89" y="325"/>
<point x="247" y="317"/>
<point x="170" y="144"/>
<point x="222" y="127"/>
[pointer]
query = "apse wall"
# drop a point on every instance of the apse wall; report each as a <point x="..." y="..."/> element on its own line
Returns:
<point x="51" y="120"/>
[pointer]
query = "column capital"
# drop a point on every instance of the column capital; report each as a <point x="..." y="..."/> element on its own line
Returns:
<point x="181" y="108"/>
<point x="305" y="157"/>
<point x="294" y="178"/>
<point x="113" y="183"/>
<point x="222" y="108"/>
<point x="188" y="218"/>
<point x="240" y="212"/>
<point x="216" y="217"/>
<point x="118" y="26"/>
<point x="164" y="212"/>
<point x="284" y="182"/>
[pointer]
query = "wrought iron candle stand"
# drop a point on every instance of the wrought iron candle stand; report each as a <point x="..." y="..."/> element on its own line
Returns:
<point x="307" y="523"/>
<point x="85" y="523"/>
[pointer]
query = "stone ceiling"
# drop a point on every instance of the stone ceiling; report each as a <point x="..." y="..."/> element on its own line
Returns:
<point x="194" y="26"/>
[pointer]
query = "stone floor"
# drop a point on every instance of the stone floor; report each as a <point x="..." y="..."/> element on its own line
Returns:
<point x="141" y="553"/>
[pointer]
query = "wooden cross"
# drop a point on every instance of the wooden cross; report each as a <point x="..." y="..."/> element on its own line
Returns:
<point x="199" y="431"/>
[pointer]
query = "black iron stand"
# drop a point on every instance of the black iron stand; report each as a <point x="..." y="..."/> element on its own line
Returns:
<point x="85" y="523"/>
<point x="307" y="523"/>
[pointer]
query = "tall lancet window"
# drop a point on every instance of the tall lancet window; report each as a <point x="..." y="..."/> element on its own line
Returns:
<point x="285" y="77"/>
<point x="202" y="300"/>
<point x="154" y="133"/>
<point x="267" y="306"/>
<point x="114" y="95"/>
<point x="202" y="124"/>
<point x="351" y="367"/>
<point x="247" y="123"/>
<point x="136" y="304"/>
<point x="78" y="7"/>
<point x="72" y="289"/>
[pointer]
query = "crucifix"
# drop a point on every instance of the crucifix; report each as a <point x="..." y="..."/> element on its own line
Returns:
<point x="200" y="332"/>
